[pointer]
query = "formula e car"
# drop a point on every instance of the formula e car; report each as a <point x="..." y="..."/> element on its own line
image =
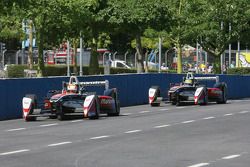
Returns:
<point x="190" y="90"/>
<point x="73" y="99"/>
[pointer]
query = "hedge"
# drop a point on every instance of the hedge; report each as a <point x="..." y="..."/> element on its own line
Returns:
<point x="239" y="71"/>
<point x="17" y="71"/>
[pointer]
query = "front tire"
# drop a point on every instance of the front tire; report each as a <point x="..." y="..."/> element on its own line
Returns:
<point x="96" y="112"/>
<point x="155" y="104"/>
<point x="178" y="102"/>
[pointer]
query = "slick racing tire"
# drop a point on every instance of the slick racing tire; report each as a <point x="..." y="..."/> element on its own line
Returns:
<point x="53" y="116"/>
<point x="155" y="104"/>
<point x="224" y="96"/>
<point x="117" y="110"/>
<point x="173" y="102"/>
<point x="223" y="87"/>
<point x="29" y="118"/>
<point x="60" y="114"/>
<point x="205" y="99"/>
<point x="178" y="102"/>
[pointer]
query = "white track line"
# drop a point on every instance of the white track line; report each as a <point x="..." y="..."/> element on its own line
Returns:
<point x="164" y="109"/>
<point x="126" y="114"/>
<point x="133" y="131"/>
<point x="162" y="126"/>
<point x="230" y="114"/>
<point x="47" y="125"/>
<point x="186" y="122"/>
<point x="231" y="157"/>
<point x="98" y="137"/>
<point x="142" y="112"/>
<point x="180" y="107"/>
<point x="77" y="121"/>
<point x="17" y="129"/>
<point x="199" y="165"/>
<point x="207" y="118"/>
<point x="244" y="112"/>
<point x="14" y="152"/>
<point x="58" y="144"/>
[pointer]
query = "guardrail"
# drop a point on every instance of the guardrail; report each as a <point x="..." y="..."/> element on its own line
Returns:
<point x="132" y="88"/>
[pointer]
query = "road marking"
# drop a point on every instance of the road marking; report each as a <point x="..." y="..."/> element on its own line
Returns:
<point x="162" y="126"/>
<point x="180" y="107"/>
<point x="186" y="122"/>
<point x="11" y="130"/>
<point x="133" y="131"/>
<point x="58" y="144"/>
<point x="207" y="118"/>
<point x="244" y="112"/>
<point x="46" y="125"/>
<point x="231" y="156"/>
<point x="141" y="112"/>
<point x="230" y="114"/>
<point x="14" y="152"/>
<point x="77" y="121"/>
<point x="126" y="114"/>
<point x="164" y="109"/>
<point x="199" y="165"/>
<point x="98" y="137"/>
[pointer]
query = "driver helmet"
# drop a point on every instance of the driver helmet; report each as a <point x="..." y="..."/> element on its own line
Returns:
<point x="188" y="81"/>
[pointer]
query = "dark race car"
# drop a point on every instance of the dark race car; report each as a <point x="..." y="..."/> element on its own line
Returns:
<point x="190" y="90"/>
<point x="73" y="100"/>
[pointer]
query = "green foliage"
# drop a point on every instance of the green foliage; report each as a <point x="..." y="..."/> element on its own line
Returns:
<point x="178" y="22"/>
<point x="239" y="71"/>
<point x="17" y="71"/>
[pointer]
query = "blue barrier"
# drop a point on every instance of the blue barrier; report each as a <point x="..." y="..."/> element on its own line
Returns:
<point x="132" y="88"/>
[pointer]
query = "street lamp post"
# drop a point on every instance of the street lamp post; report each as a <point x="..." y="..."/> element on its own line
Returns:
<point x="197" y="57"/>
<point x="160" y="41"/>
<point x="81" y="54"/>
<point x="68" y="54"/>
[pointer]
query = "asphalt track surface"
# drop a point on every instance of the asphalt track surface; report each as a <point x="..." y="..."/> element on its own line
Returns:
<point x="216" y="135"/>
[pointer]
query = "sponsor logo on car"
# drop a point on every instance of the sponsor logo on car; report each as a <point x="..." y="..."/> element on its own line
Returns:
<point x="106" y="101"/>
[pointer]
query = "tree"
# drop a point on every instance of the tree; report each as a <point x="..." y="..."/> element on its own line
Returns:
<point x="134" y="17"/>
<point x="211" y="25"/>
<point x="183" y="14"/>
<point x="10" y="23"/>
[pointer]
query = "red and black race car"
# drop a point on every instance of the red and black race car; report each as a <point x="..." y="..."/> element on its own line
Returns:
<point x="73" y="99"/>
<point x="190" y="90"/>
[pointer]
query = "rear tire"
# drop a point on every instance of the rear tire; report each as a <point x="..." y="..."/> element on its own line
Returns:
<point x="205" y="99"/>
<point x="155" y="104"/>
<point x="223" y="87"/>
<point x="53" y="116"/>
<point x="61" y="117"/>
<point x="60" y="114"/>
<point x="29" y="118"/>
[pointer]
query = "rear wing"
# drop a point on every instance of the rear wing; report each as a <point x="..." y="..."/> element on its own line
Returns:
<point x="96" y="83"/>
<point x="191" y="76"/>
<point x="74" y="81"/>
<point x="216" y="78"/>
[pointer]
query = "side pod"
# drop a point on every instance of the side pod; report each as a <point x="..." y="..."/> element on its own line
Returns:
<point x="200" y="96"/>
<point x="154" y="96"/>
<point x="90" y="107"/>
<point x="27" y="108"/>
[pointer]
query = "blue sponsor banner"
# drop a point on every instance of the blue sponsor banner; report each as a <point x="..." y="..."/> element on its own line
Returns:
<point x="132" y="88"/>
